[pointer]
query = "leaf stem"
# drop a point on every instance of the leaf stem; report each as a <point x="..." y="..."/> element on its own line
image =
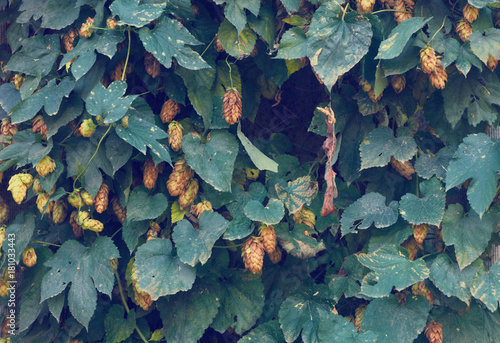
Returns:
<point x="434" y="36"/>
<point x="128" y="54"/>
<point x="345" y="11"/>
<point x="113" y="235"/>
<point x="40" y="242"/>
<point x="389" y="10"/>
<point x="209" y="44"/>
<point x="227" y="246"/>
<point x="230" y="76"/>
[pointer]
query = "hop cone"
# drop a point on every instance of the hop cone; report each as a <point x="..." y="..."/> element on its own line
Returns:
<point x="200" y="207"/>
<point x="187" y="197"/>
<point x="111" y="23"/>
<point x="175" y="132"/>
<point x="151" y="65"/>
<point x="68" y="39"/>
<point x="45" y="166"/>
<point x="2" y="235"/>
<point x="420" y="288"/>
<point x="492" y="63"/>
<point x="37" y="187"/>
<point x="428" y="60"/>
<point x="438" y="77"/>
<point x="151" y="234"/>
<point x="231" y="106"/>
<point x="305" y="216"/>
<point x="411" y="245"/>
<point x="75" y="199"/>
<point x="252" y="253"/>
<point x="365" y="6"/>
<point x="18" y="186"/>
<point x="87" y="128"/>
<point x="93" y="225"/>
<point x="77" y="230"/>
<point x="17" y="81"/>
<point x="403" y="5"/>
<point x="464" y="30"/>
<point x="150" y="174"/>
<point x="42" y="200"/>
<point x="29" y="257"/>
<point x="268" y="238"/>
<point x="8" y="129"/>
<point x="4" y="212"/>
<point x="87" y="198"/>
<point x="179" y="178"/>
<point x="4" y="288"/>
<point x="398" y="83"/>
<point x="367" y="87"/>
<point x="118" y="210"/>
<point x="81" y="217"/>
<point x="169" y="110"/>
<point x="87" y="28"/>
<point x="101" y="198"/>
<point x="59" y="211"/>
<point x="275" y="257"/>
<point x="434" y="332"/>
<point x="470" y="13"/>
<point x="404" y="168"/>
<point x="38" y="125"/>
<point x="359" y="316"/>
<point x="420" y="232"/>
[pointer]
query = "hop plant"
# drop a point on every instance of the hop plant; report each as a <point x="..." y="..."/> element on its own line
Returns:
<point x="365" y="6"/>
<point x="232" y="106"/>
<point x="59" y="212"/>
<point x="169" y="110"/>
<point x="4" y="288"/>
<point x="439" y="76"/>
<point x="42" y="200"/>
<point x="464" y="30"/>
<point x="275" y="257"/>
<point x="428" y="60"/>
<point x="150" y="174"/>
<point x="18" y="81"/>
<point x="2" y="235"/>
<point x="401" y="7"/>
<point x="75" y="199"/>
<point x="492" y="63"/>
<point x="420" y="288"/>
<point x="404" y="168"/>
<point x="252" y="252"/>
<point x="4" y="212"/>
<point x="151" y="64"/>
<point x="118" y="210"/>
<point x="189" y="194"/>
<point x="45" y="166"/>
<point x="87" y="128"/>
<point x="102" y="198"/>
<point x="470" y="13"/>
<point x="38" y="125"/>
<point x="68" y="40"/>
<point x="179" y="178"/>
<point x="420" y="232"/>
<point x="111" y="23"/>
<point x="18" y="186"/>
<point x="359" y="316"/>
<point x="218" y="45"/>
<point x="82" y="216"/>
<point x="411" y="245"/>
<point x="398" y="83"/>
<point x="117" y="73"/>
<point x="268" y="238"/>
<point x="434" y="332"/>
<point x="200" y="207"/>
<point x="93" y="225"/>
<point x="87" y="198"/>
<point x="8" y="129"/>
<point x="175" y="132"/>
<point x="77" y="230"/>
<point x="367" y="87"/>
<point x="305" y="216"/>
<point x="87" y="28"/>
<point x="29" y="257"/>
<point x="143" y="299"/>
<point x="37" y="186"/>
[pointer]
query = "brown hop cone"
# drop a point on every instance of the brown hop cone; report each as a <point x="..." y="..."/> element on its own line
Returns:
<point x="75" y="199"/>
<point x="218" y="45"/>
<point x="359" y="316"/>
<point x="492" y="63"/>
<point x="187" y="197"/>
<point x="68" y="39"/>
<point x="268" y="238"/>
<point x="169" y="110"/>
<point x="45" y="166"/>
<point x="151" y="64"/>
<point x="434" y="332"/>
<point x="252" y="252"/>
<point x="87" y="128"/>
<point x="2" y="234"/>
<point x="179" y="178"/>
<point x="37" y="187"/>
<point x="398" y="83"/>
<point x="152" y="234"/>
<point x="275" y="257"/>
<point x="305" y="216"/>
<point x="4" y="288"/>
<point x="77" y="230"/>
<point x="150" y="174"/>
<point x="111" y="23"/>
<point x="42" y="200"/>
<point x="438" y="77"/>
<point x="101" y="198"/>
<point x="8" y="129"/>
<point x="175" y="132"/>
<point x="420" y="232"/>
<point x="231" y="106"/>
<point x="93" y="225"/>
<point x="29" y="257"/>
<point x="39" y="125"/>
<point x="470" y="13"/>
<point x="143" y="299"/>
<point x="411" y="245"/>
<point x="464" y="30"/>
<point x="428" y="60"/>
<point x="367" y="87"/>
<point x="87" y="28"/>
<point x="87" y="198"/>
<point x="365" y="6"/>
<point x="59" y="212"/>
<point x="4" y="212"/>
<point x="117" y="73"/>
<point x="118" y="210"/>
<point x="200" y="207"/>
<point x="420" y="288"/>
<point x="403" y="5"/>
<point x="18" y="188"/>
<point x="404" y="168"/>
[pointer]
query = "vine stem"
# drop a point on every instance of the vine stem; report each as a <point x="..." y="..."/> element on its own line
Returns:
<point x="209" y="44"/>
<point x="128" y="55"/>
<point x="113" y="235"/>
<point x="55" y="245"/>
<point x="124" y="301"/>
<point x="227" y="246"/>
<point x="345" y="11"/>
<point x="389" y="10"/>
<point x="434" y="36"/>
<point x="230" y="76"/>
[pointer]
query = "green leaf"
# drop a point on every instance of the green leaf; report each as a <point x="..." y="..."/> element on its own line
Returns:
<point x="426" y="210"/>
<point x="264" y="24"/>
<point x="380" y="144"/>
<point x="390" y="267"/>
<point x="22" y="229"/>
<point x="234" y="11"/>
<point x="428" y="165"/>
<point x="296" y="242"/>
<point x="270" y="215"/>
<point x="346" y="285"/>
<point x="468" y="233"/>
<point x="239" y="227"/>
<point x="269" y="332"/>
<point x="295" y="20"/>
<point x="452" y="281"/>
<point x="394" y="45"/>
<point x="486" y="43"/>
<point x="369" y="209"/>
<point x="392" y="322"/>
<point x="477" y="158"/>
<point x="86" y="269"/>
<point x="394" y="235"/>
<point x="30" y="85"/>
<point x="117" y="153"/>
<point x="31" y="8"/>
<point x="236" y="45"/>
<point x="108" y="102"/>
<point x="336" y="45"/>
<point x="9" y="96"/>
<point x="302" y="313"/>
<point x="60" y="13"/>
<point x="158" y="272"/>
<point x="141" y="205"/>
<point x="487" y="287"/>
<point x="296" y="193"/>
<point x="256" y="191"/>
<point x="169" y="39"/>
<point x="242" y="301"/>
<point x="291" y="5"/>
<point x="335" y="328"/>
<point x="214" y="160"/>
<point x="133" y="14"/>
<point x="117" y="328"/>
<point x="131" y="231"/>
<point x="406" y="60"/>
<point x="186" y="315"/>
<point x="38" y="52"/>
<point x="49" y="97"/>
<point x="461" y="55"/>
<point x="261" y="161"/>
<point x="56" y="304"/>
<point x="70" y="109"/>
<point x="195" y="245"/>
<point x="142" y="134"/>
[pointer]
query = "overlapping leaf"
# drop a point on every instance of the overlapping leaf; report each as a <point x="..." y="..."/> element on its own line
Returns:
<point x="270" y="214"/>
<point x="269" y="332"/>
<point x="235" y="11"/>
<point x="486" y="287"/>
<point x="296" y="193"/>
<point x="429" y="209"/>
<point x="118" y="328"/>
<point x="428" y="165"/>
<point x="141" y="205"/>
<point x="134" y="14"/>
<point x="261" y="161"/>
<point x="461" y="55"/>
<point x="486" y="43"/>
<point x="236" y="43"/>
<point x="293" y="44"/>
<point x="109" y="102"/>
<point x="336" y="328"/>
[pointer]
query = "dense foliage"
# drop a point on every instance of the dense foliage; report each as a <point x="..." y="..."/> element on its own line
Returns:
<point x="251" y="171"/>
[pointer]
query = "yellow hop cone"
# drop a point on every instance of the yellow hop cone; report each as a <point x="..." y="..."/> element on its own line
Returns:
<point x="82" y="216"/>
<point x="470" y="13"/>
<point x="4" y="212"/>
<point x="420" y="288"/>
<point x="179" y="178"/>
<point x="118" y="210"/>
<point x="169" y="110"/>
<point x="398" y="83"/>
<point x="187" y="197"/>
<point x="305" y="216"/>
<point x="232" y="106"/>
<point x="37" y="187"/>
<point x="29" y="257"/>
<point x="87" y="28"/>
<point x="102" y="198"/>
<point x="404" y="168"/>
<point x="364" y="6"/>
<point x="420" y="232"/>
<point x="464" y="30"/>
<point x="200" y="207"/>
<point x="252" y="252"/>
<point x="93" y="225"/>
<point x="42" y="200"/>
<point x="18" y="186"/>
<point x="45" y="166"/>
<point x="359" y="317"/>
<point x="275" y="257"/>
<point x="111" y="23"/>
<point x="428" y="60"/>
<point x="4" y="288"/>
<point x="38" y="125"/>
<point x="75" y="199"/>
<point x="87" y="198"/>
<point x="268" y="238"/>
<point x="17" y="81"/>
<point x="151" y="64"/>
<point x="175" y="132"/>
<point x="251" y="174"/>
<point x="151" y="234"/>
<point x="2" y="235"/>
<point x="492" y="63"/>
<point x="438" y="77"/>
<point x="77" y="230"/>
<point x="87" y="128"/>
<point x="59" y="212"/>
<point x="434" y="332"/>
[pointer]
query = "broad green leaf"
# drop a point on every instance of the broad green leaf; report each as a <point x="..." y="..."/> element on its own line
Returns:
<point x="295" y="20"/>
<point x="86" y="268"/>
<point x="346" y="285"/>
<point x="486" y="43"/>
<point x="390" y="267"/>
<point x="134" y="14"/>
<point x="49" y="97"/>
<point x="336" y="45"/>
<point x="486" y="287"/>
<point x="142" y="134"/>
<point x="296" y="193"/>
<point x="477" y="158"/>
<point x="214" y="160"/>
<point x="109" y="102"/>
<point x="9" y="96"/>
<point x="380" y="144"/>
<point x="242" y="301"/>
<point x="291" y="5"/>
<point x="195" y="245"/>
<point x="269" y="332"/>
<point x="405" y="61"/>
<point x="234" y="43"/>
<point x="335" y="328"/>
<point x="158" y="272"/>
<point x="429" y="209"/>
<point x="256" y="191"/>
<point x="394" y="45"/>
<point x="56" y="304"/>
<point x="392" y="322"/>
<point x="70" y="109"/>
<point x="30" y="84"/>
<point x="31" y="8"/>
<point x="239" y="227"/>
<point x="21" y="228"/>
<point x="452" y="281"/>
<point x="293" y="44"/>
<point x="234" y="11"/>
<point x="271" y="214"/>
<point x="263" y="24"/>
<point x="369" y="209"/>
<point x="117" y="328"/>
<point x="132" y="230"/>
<point x="261" y="161"/>
<point x="428" y="165"/>
<point x="60" y="13"/>
<point x="169" y="39"/>
<point x="461" y="55"/>
<point x="302" y="313"/>
<point x="186" y="315"/>
<point x="394" y="235"/>
<point x="117" y="153"/>
<point x="141" y="205"/>
<point x="468" y="233"/>
<point x="296" y="242"/>
<point x="38" y="52"/>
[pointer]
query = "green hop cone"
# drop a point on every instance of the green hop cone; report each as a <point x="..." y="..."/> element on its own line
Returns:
<point x="189" y="194"/>
<point x="87" y="128"/>
<point x="75" y="199"/>
<point x="42" y="200"/>
<point x="45" y="166"/>
<point x="59" y="212"/>
<point x="179" y="178"/>
<point x="29" y="257"/>
<point x="93" y="225"/>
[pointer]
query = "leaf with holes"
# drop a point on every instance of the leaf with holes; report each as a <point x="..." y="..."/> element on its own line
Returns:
<point x="486" y="43"/>
<point x="428" y="165"/>
<point x="426" y="210"/>
<point x="271" y="214"/>
<point x="486" y="287"/>
<point x="296" y="193"/>
<point x="134" y="14"/>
